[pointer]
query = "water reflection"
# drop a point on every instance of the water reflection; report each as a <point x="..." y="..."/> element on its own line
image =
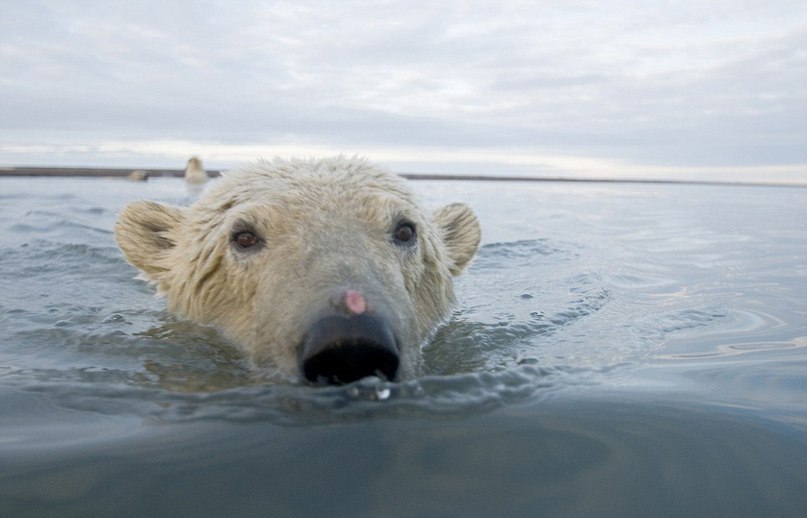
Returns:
<point x="560" y="457"/>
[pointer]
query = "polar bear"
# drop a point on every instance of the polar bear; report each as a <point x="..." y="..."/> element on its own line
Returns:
<point x="326" y="271"/>
<point x="194" y="171"/>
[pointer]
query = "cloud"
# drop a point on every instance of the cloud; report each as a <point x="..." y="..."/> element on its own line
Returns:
<point x="717" y="84"/>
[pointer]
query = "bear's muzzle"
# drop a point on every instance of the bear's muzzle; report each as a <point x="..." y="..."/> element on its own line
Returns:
<point x="341" y="349"/>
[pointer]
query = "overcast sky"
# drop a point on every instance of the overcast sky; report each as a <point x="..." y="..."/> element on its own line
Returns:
<point x="633" y="88"/>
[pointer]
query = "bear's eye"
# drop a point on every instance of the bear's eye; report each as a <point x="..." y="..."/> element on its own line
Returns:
<point x="404" y="233"/>
<point x="245" y="239"/>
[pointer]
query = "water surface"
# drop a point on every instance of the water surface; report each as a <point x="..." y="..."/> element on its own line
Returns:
<point x="618" y="349"/>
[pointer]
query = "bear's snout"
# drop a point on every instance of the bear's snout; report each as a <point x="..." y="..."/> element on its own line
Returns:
<point x="342" y="349"/>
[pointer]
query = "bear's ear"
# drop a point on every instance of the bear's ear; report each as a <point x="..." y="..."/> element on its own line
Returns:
<point x="145" y="232"/>
<point x="460" y="231"/>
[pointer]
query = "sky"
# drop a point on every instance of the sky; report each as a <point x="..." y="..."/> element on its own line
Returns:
<point x="622" y="89"/>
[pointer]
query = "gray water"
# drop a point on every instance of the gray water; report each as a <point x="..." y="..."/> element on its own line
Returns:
<point x="618" y="350"/>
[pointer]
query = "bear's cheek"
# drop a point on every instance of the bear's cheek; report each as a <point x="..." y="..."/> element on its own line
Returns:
<point x="278" y="294"/>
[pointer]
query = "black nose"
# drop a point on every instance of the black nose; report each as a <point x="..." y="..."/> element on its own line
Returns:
<point x="338" y="350"/>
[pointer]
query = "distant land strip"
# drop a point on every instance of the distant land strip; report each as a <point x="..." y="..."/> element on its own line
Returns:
<point x="106" y="172"/>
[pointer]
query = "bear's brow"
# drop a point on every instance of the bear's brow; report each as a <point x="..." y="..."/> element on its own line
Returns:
<point x="227" y="205"/>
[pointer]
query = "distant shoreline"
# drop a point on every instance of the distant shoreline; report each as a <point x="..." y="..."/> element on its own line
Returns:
<point x="107" y="172"/>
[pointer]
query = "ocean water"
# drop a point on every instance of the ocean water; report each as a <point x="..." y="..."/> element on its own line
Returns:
<point x="618" y="350"/>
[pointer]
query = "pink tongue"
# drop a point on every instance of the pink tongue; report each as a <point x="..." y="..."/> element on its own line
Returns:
<point x="355" y="302"/>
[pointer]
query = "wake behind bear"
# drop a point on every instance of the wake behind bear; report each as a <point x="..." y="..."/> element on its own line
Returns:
<point x="324" y="270"/>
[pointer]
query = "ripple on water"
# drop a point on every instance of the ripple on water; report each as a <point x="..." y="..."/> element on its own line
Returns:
<point x="125" y="393"/>
<point x="495" y="256"/>
<point x="521" y="299"/>
<point x="42" y="256"/>
<point x="687" y="320"/>
<point x="82" y="224"/>
<point x="739" y="348"/>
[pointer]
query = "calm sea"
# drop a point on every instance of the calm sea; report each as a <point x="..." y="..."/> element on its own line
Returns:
<point x="618" y="350"/>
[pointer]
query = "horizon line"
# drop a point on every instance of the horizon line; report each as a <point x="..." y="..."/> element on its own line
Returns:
<point x="121" y="172"/>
